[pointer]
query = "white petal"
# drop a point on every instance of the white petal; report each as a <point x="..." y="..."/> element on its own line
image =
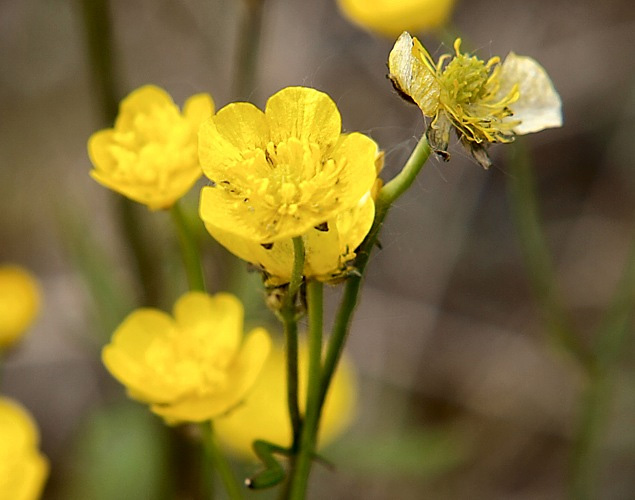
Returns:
<point x="539" y="106"/>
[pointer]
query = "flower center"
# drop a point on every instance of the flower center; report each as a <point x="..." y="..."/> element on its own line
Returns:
<point x="469" y="94"/>
<point x="188" y="362"/>
<point x="150" y="146"/>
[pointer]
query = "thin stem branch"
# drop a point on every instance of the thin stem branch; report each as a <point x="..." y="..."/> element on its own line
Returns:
<point x="538" y="258"/>
<point x="189" y="249"/>
<point x="221" y="465"/>
<point x="289" y="317"/>
<point x="387" y="195"/>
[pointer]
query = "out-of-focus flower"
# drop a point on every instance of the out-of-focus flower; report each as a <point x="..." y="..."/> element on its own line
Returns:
<point x="192" y="367"/>
<point x="19" y="303"/>
<point x="287" y="172"/>
<point x="264" y="414"/>
<point x="23" y="469"/>
<point x="150" y="155"/>
<point x="485" y="102"/>
<point x="391" y="17"/>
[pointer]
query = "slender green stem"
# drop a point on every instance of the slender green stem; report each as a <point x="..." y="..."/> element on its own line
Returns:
<point x="538" y="259"/>
<point x="216" y="456"/>
<point x="387" y="195"/>
<point x="308" y="439"/>
<point x="189" y="249"/>
<point x="614" y="330"/>
<point x="248" y="48"/>
<point x="289" y="317"/>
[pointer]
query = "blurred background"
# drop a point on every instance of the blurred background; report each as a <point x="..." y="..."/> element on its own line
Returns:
<point x="461" y="393"/>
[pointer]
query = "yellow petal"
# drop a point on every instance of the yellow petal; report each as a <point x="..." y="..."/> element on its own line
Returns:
<point x="539" y="106"/>
<point x="218" y="317"/>
<point x="224" y="138"/>
<point x="304" y="113"/>
<point x="24" y="468"/>
<point x="198" y="108"/>
<point x="125" y="356"/>
<point x="242" y="375"/>
<point x="19" y="303"/>
<point x="391" y="17"/>
<point x="358" y="152"/>
<point x="411" y="75"/>
<point x="141" y="101"/>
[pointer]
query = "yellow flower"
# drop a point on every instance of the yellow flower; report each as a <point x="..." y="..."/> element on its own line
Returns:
<point x="192" y="367"/>
<point x="19" y="303"/>
<point x="23" y="469"/>
<point x="391" y="17"/>
<point x="264" y="413"/>
<point x="287" y="172"/>
<point x="150" y="155"/>
<point x="485" y="102"/>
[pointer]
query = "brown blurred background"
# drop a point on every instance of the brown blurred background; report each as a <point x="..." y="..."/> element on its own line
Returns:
<point x="461" y="395"/>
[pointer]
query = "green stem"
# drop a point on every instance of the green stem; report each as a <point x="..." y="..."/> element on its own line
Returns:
<point x="248" y="48"/>
<point x="592" y="416"/>
<point x="538" y="259"/>
<point x="189" y="250"/>
<point x="215" y="455"/>
<point x="308" y="439"/>
<point x="289" y="317"/>
<point x="387" y="195"/>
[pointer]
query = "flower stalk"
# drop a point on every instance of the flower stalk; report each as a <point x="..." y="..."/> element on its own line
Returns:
<point x="189" y="250"/>
<point x="220" y="463"/>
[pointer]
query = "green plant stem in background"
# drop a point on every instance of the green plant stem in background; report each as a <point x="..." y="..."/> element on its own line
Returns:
<point x="289" y="317"/>
<point x="387" y="195"/>
<point x="189" y="249"/>
<point x="98" y="32"/>
<point x="538" y="257"/>
<point x="248" y="48"/>
<point x="610" y="337"/>
<point x="216" y="457"/>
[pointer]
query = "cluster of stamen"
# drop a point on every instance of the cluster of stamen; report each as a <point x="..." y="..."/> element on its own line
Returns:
<point x="469" y="95"/>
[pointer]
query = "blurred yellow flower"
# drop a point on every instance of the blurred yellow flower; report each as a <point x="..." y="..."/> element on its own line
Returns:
<point x="391" y="17"/>
<point x="192" y="367"/>
<point x="23" y="469"/>
<point x="485" y="102"/>
<point x="264" y="413"/>
<point x="150" y="155"/>
<point x="19" y="303"/>
<point x="287" y="172"/>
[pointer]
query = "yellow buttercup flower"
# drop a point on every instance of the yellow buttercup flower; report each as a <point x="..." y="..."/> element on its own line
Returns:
<point x="19" y="303"/>
<point x="23" y="469"/>
<point x="264" y="413"/>
<point x="287" y="172"/>
<point x="391" y="17"/>
<point x="150" y="155"/>
<point x="485" y="102"/>
<point x="192" y="367"/>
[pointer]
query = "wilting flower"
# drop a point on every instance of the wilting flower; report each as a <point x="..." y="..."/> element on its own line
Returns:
<point x="19" y="303"/>
<point x="192" y="367"/>
<point x="151" y="155"/>
<point x="264" y="413"/>
<point x="23" y="469"/>
<point x="485" y="102"/>
<point x="391" y="17"/>
<point x="283" y="173"/>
